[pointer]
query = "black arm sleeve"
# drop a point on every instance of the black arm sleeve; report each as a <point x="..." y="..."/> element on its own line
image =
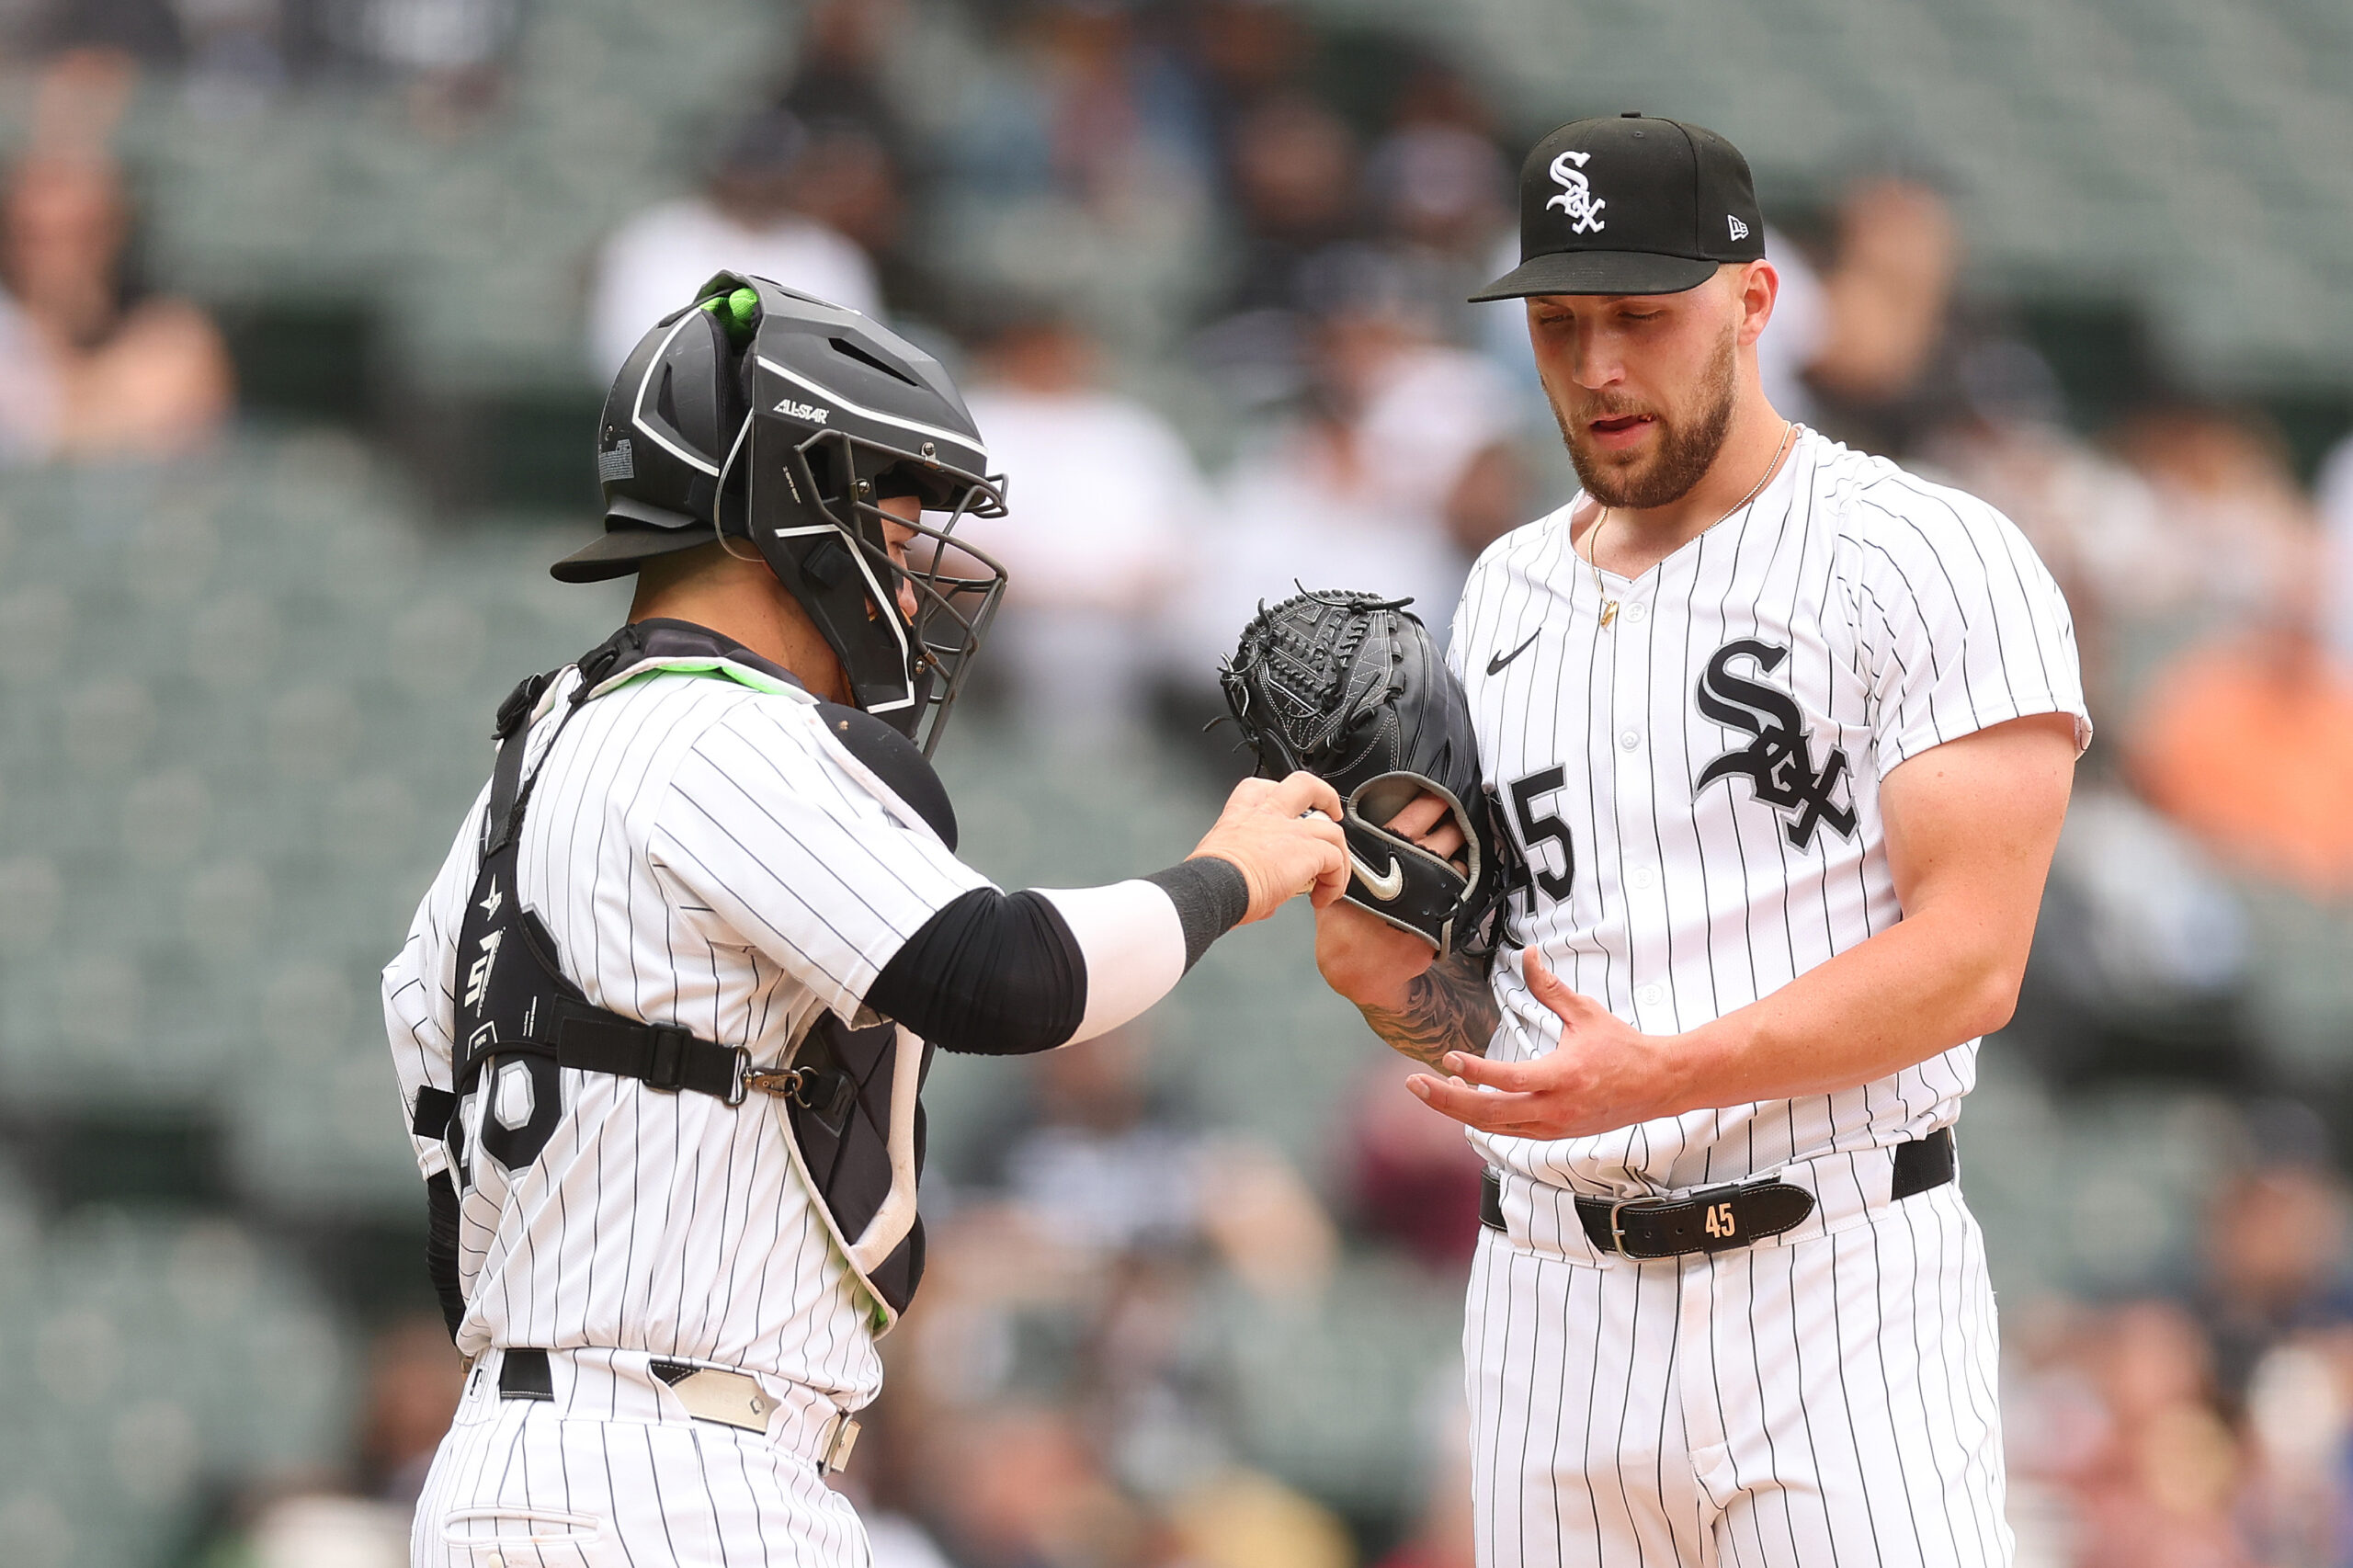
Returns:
<point x="991" y="973"/>
<point x="1210" y="895"/>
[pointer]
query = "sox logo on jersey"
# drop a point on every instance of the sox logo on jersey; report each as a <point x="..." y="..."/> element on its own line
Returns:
<point x="1696" y="782"/>
<point x="1779" y="764"/>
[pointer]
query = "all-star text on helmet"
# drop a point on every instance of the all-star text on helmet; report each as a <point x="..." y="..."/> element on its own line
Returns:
<point x="759" y="414"/>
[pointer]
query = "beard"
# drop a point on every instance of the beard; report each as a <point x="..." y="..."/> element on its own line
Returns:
<point x="1685" y="450"/>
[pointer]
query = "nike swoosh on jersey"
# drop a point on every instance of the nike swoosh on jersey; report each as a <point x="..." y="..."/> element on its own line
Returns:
<point x="1383" y="888"/>
<point x="1497" y="662"/>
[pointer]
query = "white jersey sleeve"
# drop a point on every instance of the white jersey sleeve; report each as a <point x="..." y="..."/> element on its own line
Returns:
<point x="419" y="1004"/>
<point x="1957" y="623"/>
<point x="771" y="833"/>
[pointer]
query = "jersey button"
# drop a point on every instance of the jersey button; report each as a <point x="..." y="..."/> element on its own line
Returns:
<point x="1643" y="878"/>
<point x="1628" y="740"/>
<point x="1638" y="612"/>
<point x="1650" y="995"/>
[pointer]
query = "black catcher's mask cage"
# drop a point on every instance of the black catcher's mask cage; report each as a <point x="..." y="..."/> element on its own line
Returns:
<point x="843" y="416"/>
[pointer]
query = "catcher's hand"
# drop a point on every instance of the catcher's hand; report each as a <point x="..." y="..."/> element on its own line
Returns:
<point x="1350" y="688"/>
<point x="1285" y="839"/>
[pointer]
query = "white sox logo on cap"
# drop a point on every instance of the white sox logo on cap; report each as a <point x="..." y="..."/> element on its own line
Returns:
<point x="1577" y="198"/>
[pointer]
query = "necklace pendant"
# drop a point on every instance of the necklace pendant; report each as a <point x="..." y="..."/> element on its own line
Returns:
<point x="1608" y="612"/>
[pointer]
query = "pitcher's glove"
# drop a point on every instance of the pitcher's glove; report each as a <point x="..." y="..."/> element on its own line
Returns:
<point x="1349" y="687"/>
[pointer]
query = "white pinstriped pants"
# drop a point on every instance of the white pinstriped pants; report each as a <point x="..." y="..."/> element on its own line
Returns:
<point x="607" y="1476"/>
<point x="1823" y="1401"/>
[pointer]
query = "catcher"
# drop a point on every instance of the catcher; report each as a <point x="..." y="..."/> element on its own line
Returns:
<point x="662" y="1019"/>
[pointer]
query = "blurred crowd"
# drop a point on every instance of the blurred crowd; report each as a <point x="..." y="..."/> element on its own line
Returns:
<point x="2210" y="1429"/>
<point x="1208" y="298"/>
<point x="94" y="363"/>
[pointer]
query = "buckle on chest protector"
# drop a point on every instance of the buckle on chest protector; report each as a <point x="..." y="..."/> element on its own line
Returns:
<point x="826" y="1094"/>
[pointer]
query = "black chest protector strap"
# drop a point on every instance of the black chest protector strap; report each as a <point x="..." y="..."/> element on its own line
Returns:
<point x="514" y="1000"/>
<point x="516" y="1012"/>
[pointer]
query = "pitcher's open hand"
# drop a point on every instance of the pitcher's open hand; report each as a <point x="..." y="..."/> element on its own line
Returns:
<point x="1603" y="1075"/>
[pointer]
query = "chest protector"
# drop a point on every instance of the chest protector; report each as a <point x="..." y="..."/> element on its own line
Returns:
<point x="849" y="1097"/>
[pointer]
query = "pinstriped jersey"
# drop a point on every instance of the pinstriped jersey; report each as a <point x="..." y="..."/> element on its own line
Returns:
<point x="702" y="854"/>
<point x="1697" y="783"/>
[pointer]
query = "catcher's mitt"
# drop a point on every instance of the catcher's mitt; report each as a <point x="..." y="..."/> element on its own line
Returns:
<point x="1349" y="687"/>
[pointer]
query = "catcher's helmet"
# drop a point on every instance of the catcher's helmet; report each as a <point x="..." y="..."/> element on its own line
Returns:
<point x="761" y="415"/>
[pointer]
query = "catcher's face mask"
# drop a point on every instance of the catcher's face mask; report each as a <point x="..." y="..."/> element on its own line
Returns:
<point x="843" y="416"/>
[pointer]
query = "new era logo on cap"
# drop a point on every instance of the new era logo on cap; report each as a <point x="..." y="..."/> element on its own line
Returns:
<point x="1631" y="204"/>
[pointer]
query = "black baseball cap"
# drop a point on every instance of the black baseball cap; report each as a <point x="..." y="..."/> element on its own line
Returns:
<point x="1631" y="204"/>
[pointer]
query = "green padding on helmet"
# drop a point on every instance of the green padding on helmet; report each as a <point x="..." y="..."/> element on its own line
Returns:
<point x="738" y="312"/>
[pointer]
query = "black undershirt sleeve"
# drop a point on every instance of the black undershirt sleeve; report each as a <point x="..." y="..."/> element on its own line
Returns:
<point x="990" y="974"/>
<point x="1001" y="974"/>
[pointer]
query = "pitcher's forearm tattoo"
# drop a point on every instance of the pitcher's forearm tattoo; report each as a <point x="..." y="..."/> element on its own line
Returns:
<point x="1447" y="1007"/>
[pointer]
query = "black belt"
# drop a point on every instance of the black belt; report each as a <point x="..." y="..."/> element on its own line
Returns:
<point x="1718" y="1218"/>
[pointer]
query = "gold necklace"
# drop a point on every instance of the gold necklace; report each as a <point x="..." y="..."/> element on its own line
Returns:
<point x="1593" y="534"/>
